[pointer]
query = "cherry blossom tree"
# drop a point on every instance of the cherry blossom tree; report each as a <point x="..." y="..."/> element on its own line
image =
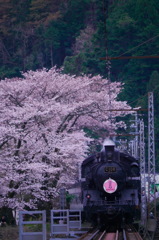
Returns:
<point x="43" y="115"/>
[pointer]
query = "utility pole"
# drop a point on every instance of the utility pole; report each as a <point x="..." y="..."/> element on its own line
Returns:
<point x="143" y="179"/>
<point x="62" y="198"/>
<point x="136" y="136"/>
<point x="151" y="157"/>
<point x="151" y="217"/>
<point x="135" y="142"/>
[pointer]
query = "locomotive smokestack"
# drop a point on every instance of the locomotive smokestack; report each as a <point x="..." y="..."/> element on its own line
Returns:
<point x="109" y="149"/>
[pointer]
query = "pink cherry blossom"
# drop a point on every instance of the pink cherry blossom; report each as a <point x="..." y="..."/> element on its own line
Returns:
<point x="42" y="139"/>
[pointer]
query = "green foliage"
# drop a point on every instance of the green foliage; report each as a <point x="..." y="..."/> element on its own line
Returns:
<point x="69" y="197"/>
<point x="74" y="65"/>
<point x="38" y="33"/>
<point x="153" y="82"/>
<point x="9" y="72"/>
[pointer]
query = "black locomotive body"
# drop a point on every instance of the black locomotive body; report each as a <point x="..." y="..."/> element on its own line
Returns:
<point x="110" y="183"/>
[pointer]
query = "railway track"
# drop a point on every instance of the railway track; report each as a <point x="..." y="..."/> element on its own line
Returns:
<point x="126" y="234"/>
<point x="90" y="235"/>
<point x="98" y="235"/>
<point x="132" y="234"/>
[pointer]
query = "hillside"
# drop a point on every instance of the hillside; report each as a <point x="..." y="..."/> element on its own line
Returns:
<point x="75" y="34"/>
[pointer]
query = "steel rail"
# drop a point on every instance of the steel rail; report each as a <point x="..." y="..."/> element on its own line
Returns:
<point x="117" y="235"/>
<point x="100" y="238"/>
<point x="93" y="235"/>
<point x="124" y="235"/>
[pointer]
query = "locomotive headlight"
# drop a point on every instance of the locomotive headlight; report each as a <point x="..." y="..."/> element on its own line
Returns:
<point x="88" y="196"/>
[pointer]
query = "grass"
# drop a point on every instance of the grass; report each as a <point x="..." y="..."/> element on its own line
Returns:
<point x="9" y="233"/>
<point x="12" y="233"/>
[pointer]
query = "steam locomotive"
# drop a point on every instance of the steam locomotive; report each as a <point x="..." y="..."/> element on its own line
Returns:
<point x="110" y="185"/>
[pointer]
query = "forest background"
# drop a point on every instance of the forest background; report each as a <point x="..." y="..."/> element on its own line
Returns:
<point x="75" y="34"/>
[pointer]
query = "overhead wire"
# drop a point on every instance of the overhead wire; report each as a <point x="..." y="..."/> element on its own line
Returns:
<point x="138" y="99"/>
<point x="150" y="39"/>
<point x="146" y="94"/>
<point x="108" y="63"/>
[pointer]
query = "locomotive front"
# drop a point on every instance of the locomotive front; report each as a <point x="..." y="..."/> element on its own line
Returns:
<point x="110" y="184"/>
<point x="108" y="174"/>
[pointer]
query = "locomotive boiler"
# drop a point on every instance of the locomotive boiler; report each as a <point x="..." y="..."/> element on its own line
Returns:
<point x="110" y="184"/>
